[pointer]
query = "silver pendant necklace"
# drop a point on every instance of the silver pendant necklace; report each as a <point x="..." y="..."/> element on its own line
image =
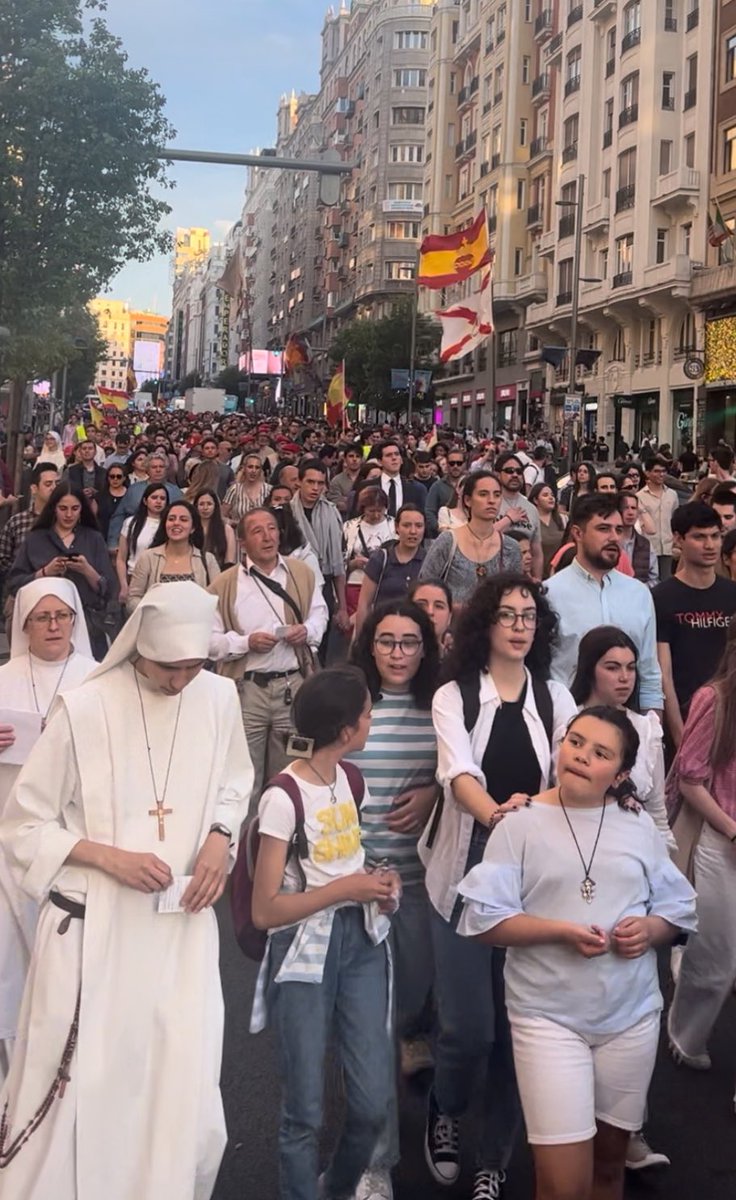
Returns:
<point x="332" y="786"/>
<point x="45" y="716"/>
<point x="588" y="885"/>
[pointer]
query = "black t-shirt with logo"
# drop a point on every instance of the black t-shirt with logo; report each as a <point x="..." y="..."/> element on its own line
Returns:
<point x="694" y="622"/>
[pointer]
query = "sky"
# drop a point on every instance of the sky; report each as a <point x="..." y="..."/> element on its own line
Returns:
<point x="222" y="66"/>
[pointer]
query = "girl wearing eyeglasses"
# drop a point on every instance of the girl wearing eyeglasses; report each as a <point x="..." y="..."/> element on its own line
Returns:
<point x="496" y="721"/>
<point x="398" y="653"/>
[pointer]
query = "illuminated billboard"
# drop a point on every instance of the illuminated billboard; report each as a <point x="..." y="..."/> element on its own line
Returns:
<point x="147" y="359"/>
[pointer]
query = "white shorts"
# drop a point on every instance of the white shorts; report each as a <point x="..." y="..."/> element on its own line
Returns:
<point x="568" y="1081"/>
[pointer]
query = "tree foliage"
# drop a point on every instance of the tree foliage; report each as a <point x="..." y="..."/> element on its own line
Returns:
<point x="80" y="133"/>
<point x="372" y="349"/>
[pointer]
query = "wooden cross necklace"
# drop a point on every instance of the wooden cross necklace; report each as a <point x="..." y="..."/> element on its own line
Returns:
<point x="160" y="812"/>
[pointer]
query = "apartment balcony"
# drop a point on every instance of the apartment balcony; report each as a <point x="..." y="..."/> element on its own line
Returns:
<point x="541" y="87"/>
<point x="474" y="84"/>
<point x="599" y="216"/>
<point x="564" y="298"/>
<point x="628" y="116"/>
<point x="691" y="99"/>
<point x="487" y="107"/>
<point x="566" y="226"/>
<point x="543" y="25"/>
<point x="539" y="148"/>
<point x="610" y="68"/>
<point x="607" y="139"/>
<point x="570" y="152"/>
<point x="693" y="19"/>
<point x="711" y="286"/>
<point x="678" y="189"/>
<point x="572" y="85"/>
<point x="625" y="198"/>
<point x="553" y="51"/>
<point x="463" y="96"/>
<point x="484" y="169"/>
<point x="492" y="223"/>
<point x="674" y="276"/>
<point x="630" y="39"/>
<point x="534" y="216"/>
<point x="547" y="244"/>
<point x="575" y="14"/>
<point x="495" y="161"/>
<point x="603" y="9"/>
<point x="670" y="24"/>
<point x="623" y="279"/>
<point x="532" y="288"/>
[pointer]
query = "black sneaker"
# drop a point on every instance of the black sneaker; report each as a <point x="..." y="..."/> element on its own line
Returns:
<point x="441" y="1144"/>
<point x="488" y="1185"/>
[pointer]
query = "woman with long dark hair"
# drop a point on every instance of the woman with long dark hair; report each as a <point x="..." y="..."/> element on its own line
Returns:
<point x="138" y="533"/>
<point x="218" y="538"/>
<point x="398" y="654"/>
<point x="705" y="770"/>
<point x="579" y="887"/>
<point x="176" y="554"/>
<point x="66" y="540"/>
<point x="116" y="486"/>
<point x="497" y="719"/>
<point x="582" y="483"/>
<point x="435" y="597"/>
<point x="363" y="534"/>
<point x="551" y="524"/>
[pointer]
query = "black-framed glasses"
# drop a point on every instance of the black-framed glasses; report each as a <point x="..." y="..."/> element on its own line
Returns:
<point x="456" y="462"/>
<point x="508" y="617"/>
<point x="511" y="471"/>
<point x="409" y="646"/>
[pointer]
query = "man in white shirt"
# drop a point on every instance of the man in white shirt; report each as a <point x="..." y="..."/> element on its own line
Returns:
<point x="270" y="620"/>
<point x="659" y="502"/>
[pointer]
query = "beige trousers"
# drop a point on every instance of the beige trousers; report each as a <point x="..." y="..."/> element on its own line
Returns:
<point x="267" y="724"/>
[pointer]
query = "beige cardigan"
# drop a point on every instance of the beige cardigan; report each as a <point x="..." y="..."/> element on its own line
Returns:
<point x="300" y="587"/>
<point x="150" y="565"/>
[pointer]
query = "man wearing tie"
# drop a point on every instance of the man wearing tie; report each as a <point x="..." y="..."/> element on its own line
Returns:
<point x="398" y="491"/>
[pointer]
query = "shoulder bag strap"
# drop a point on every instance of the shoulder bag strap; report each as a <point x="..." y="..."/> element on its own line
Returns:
<point x="545" y="707"/>
<point x="356" y="781"/>
<point x="282" y="593"/>
<point x="448" y="564"/>
<point x="288" y="784"/>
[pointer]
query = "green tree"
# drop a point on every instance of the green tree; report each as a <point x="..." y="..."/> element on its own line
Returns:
<point x="80" y="139"/>
<point x="372" y="349"/>
<point x="230" y="379"/>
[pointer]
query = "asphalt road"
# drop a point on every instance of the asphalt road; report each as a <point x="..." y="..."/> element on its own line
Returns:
<point x="692" y="1116"/>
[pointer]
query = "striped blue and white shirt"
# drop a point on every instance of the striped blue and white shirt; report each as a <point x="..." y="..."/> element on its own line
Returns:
<point x="400" y="754"/>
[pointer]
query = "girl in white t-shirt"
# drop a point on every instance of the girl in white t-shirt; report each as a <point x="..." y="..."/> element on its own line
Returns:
<point x="327" y="968"/>
<point x="138" y="533"/>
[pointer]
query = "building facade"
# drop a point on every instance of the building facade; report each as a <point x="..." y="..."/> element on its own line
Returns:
<point x="134" y="339"/>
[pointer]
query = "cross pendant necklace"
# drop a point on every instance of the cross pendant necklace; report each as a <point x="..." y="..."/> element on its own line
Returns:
<point x="160" y="812"/>
<point x="588" y="885"/>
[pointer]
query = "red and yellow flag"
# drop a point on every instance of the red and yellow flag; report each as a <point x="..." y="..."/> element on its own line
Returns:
<point x="131" y="383"/>
<point x="114" y="398"/>
<point x="337" y="398"/>
<point x="444" y="260"/>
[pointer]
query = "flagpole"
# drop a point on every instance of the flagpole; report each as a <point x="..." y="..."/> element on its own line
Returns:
<point x="413" y="345"/>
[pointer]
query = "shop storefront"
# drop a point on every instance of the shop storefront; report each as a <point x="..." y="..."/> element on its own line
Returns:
<point x="505" y="407"/>
<point x="720" y="380"/>
<point x="683" y="418"/>
<point x="635" y="417"/>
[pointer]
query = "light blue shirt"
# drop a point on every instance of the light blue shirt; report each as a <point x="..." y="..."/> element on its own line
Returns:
<point x="582" y="602"/>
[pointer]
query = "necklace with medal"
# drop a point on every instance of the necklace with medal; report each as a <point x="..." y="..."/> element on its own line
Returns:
<point x="481" y="569"/>
<point x="160" y="812"/>
<point x="331" y="786"/>
<point x="588" y="885"/>
<point x="45" y="716"/>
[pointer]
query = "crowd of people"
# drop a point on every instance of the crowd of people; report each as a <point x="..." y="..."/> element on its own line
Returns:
<point x="477" y="723"/>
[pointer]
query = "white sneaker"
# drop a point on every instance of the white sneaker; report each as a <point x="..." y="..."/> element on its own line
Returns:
<point x="696" y="1062"/>
<point x="374" y="1185"/>
<point x="416" y="1056"/>
<point x="639" y="1154"/>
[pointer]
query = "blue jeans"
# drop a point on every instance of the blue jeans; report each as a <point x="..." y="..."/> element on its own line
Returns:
<point x="351" y="1002"/>
<point x="474" y="1033"/>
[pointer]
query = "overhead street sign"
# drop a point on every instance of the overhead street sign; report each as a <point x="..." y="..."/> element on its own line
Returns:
<point x="572" y="407"/>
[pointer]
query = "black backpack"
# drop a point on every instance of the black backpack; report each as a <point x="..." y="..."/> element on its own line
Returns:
<point x="470" y="692"/>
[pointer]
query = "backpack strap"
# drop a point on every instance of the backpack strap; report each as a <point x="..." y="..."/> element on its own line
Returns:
<point x="356" y="781"/>
<point x="288" y="784"/>
<point x="470" y="692"/>
<point x="545" y="707"/>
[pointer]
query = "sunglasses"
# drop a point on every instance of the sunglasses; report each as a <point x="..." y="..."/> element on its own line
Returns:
<point x="455" y="462"/>
<point x="511" y="471"/>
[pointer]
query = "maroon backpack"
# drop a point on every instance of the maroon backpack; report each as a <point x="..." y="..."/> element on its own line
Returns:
<point x="252" y="941"/>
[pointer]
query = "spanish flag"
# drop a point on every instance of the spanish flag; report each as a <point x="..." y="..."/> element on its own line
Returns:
<point x="113" y="398"/>
<point x="451" y="259"/>
<point x="297" y="352"/>
<point x="337" y="398"/>
<point x="131" y="383"/>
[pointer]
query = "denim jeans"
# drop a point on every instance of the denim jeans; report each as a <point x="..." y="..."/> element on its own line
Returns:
<point x="351" y="1003"/>
<point x="411" y="947"/>
<point x="474" y="1034"/>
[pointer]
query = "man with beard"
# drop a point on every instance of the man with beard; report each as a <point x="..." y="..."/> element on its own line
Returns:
<point x="592" y="592"/>
<point x="517" y="514"/>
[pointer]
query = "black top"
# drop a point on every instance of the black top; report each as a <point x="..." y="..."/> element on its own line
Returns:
<point x="42" y="545"/>
<point x="694" y="623"/>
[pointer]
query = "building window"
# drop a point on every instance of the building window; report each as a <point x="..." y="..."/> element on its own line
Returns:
<point x="689" y="147"/>
<point x="526" y="69"/>
<point x="406" y="154"/>
<point x="603" y="263"/>
<point x="570" y="138"/>
<point x="687" y="237"/>
<point x="670" y="15"/>
<point x="399" y="269"/>
<point x="729" y="149"/>
<point x="520" y="194"/>
<point x="668" y="90"/>
<point x="730" y="73"/>
<point x="665" y="157"/>
<point x="527" y="10"/>
<point x="629" y="94"/>
<point x="608" y="124"/>
<point x="564" y="291"/>
<point x="410" y="77"/>
<point x="691" y="76"/>
<point x="519" y="261"/>
<point x="632" y="17"/>
<point x="572" y="70"/>
<point x="523" y="131"/>
<point x="410" y="39"/>
<point x="624" y="256"/>
<point x="607" y="183"/>
<point x="660" y="254"/>
<point x="407" y="115"/>
<point x="405" y="191"/>
<point x="402" y="230"/>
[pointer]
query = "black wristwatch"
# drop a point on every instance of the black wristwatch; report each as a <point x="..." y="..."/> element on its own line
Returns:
<point x="223" y="829"/>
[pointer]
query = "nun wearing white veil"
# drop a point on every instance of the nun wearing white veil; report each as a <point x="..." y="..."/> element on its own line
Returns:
<point x="141" y="779"/>
<point x="50" y="654"/>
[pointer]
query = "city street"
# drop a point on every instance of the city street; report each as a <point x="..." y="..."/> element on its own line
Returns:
<point x="692" y="1117"/>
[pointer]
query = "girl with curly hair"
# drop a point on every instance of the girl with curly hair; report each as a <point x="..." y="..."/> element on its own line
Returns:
<point x="497" y="719"/>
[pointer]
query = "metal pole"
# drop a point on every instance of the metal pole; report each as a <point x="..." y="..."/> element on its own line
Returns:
<point x="413" y="345"/>
<point x="266" y="161"/>
<point x="573" y="350"/>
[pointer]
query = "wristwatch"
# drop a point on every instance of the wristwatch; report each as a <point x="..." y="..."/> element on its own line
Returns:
<point x="223" y="829"/>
